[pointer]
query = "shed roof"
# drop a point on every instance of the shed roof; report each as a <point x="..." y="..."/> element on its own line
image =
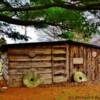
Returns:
<point x="4" y="47"/>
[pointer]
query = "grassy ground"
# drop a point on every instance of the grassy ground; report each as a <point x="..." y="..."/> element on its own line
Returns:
<point x="67" y="92"/>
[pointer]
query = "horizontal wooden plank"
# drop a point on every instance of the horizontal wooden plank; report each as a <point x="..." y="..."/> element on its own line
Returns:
<point x="41" y="51"/>
<point x="44" y="70"/>
<point x="41" y="47"/>
<point x="19" y="65"/>
<point x="48" y="58"/>
<point x="10" y="57"/>
<point x="58" y="58"/>
<point x="24" y="71"/>
<point x="37" y="56"/>
<point x="33" y="55"/>
<point x="58" y="79"/>
<point x="29" y="64"/>
<point x="61" y="61"/>
<point x="58" y="64"/>
<point x="28" y="60"/>
<point x="29" y="51"/>
<point x="41" y="64"/>
<point x="17" y="52"/>
<point x="56" y="71"/>
<point x="58" y="55"/>
<point x="59" y="46"/>
<point x="17" y="71"/>
<point x="58" y="51"/>
<point x="45" y="76"/>
<point x="46" y="81"/>
<point x="15" y="77"/>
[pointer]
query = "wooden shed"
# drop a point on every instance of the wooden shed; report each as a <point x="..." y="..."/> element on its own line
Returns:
<point x="54" y="61"/>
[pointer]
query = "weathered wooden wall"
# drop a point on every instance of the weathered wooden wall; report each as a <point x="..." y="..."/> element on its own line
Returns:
<point x="91" y="63"/>
<point x="54" y="63"/>
<point x="49" y="61"/>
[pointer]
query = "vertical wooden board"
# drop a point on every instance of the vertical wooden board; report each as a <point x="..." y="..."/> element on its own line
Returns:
<point x="77" y="55"/>
<point x="93" y="64"/>
<point x="67" y="63"/>
<point x="73" y="51"/>
<point x="89" y="55"/>
<point x="97" y="70"/>
<point x="98" y="62"/>
<point x="85" y="60"/>
<point x="70" y="62"/>
<point x="81" y="55"/>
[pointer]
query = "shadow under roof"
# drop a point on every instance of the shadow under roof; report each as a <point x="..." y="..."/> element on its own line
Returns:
<point x="48" y="43"/>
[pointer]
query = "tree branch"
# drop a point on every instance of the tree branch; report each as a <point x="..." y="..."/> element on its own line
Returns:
<point x="94" y="6"/>
<point x="29" y="23"/>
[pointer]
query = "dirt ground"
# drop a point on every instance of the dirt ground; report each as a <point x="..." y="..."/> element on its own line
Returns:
<point x="62" y="92"/>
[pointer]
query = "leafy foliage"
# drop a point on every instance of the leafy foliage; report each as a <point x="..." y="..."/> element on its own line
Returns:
<point x="56" y="15"/>
<point x="70" y="21"/>
<point x="68" y="35"/>
<point x="74" y="20"/>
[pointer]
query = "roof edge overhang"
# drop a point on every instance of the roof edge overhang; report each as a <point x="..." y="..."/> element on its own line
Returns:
<point x="6" y="46"/>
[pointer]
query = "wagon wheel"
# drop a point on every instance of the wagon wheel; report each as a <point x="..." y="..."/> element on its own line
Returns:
<point x="79" y="77"/>
<point x="31" y="79"/>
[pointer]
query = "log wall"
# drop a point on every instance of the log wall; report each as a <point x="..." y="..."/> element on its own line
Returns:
<point x="54" y="62"/>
